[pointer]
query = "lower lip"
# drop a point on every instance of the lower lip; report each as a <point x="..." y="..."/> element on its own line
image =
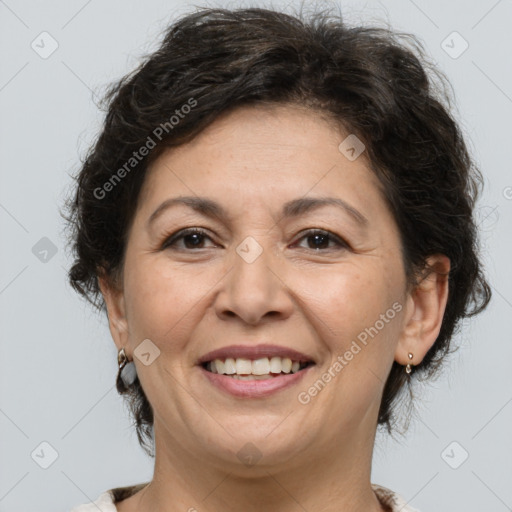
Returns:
<point x="254" y="388"/>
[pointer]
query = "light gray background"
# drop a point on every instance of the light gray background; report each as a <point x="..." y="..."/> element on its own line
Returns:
<point x="58" y="361"/>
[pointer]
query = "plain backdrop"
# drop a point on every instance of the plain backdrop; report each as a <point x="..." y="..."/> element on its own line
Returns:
<point x="58" y="404"/>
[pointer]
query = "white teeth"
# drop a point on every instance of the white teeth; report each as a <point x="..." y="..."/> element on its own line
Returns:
<point x="286" y="365"/>
<point x="229" y="366"/>
<point x="258" y="367"/>
<point x="275" y="365"/>
<point x="243" y="366"/>
<point x="219" y="366"/>
<point x="252" y="377"/>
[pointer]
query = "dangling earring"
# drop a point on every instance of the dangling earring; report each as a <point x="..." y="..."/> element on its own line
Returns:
<point x="127" y="372"/>
<point x="408" y="368"/>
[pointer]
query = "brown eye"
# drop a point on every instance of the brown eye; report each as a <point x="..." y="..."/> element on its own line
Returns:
<point x="193" y="238"/>
<point x="320" y="239"/>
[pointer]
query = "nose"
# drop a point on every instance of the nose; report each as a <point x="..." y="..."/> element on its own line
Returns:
<point x="255" y="291"/>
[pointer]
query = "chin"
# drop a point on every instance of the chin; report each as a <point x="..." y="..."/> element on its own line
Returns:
<point x="255" y="448"/>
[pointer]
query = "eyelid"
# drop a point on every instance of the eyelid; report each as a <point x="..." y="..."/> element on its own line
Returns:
<point x="341" y="243"/>
<point x="181" y="233"/>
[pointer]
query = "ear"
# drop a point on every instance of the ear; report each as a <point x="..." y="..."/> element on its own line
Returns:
<point x="426" y="304"/>
<point x="116" y="311"/>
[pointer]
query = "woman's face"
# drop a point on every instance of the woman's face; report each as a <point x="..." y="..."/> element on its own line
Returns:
<point x="337" y="295"/>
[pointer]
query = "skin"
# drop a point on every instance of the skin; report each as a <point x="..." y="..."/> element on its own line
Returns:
<point x="189" y="301"/>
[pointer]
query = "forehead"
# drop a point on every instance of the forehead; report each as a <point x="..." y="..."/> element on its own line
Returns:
<point x="277" y="131"/>
<point x="258" y="151"/>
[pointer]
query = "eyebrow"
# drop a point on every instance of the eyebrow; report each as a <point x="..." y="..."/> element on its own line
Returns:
<point x="291" y="209"/>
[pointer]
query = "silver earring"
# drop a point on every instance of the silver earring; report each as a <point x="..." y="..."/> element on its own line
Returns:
<point x="408" y="368"/>
<point x="127" y="372"/>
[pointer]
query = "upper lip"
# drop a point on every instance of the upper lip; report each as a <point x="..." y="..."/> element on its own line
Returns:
<point x="254" y="352"/>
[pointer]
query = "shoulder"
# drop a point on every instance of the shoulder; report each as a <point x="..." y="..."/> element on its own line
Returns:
<point x="107" y="500"/>
<point x="393" y="500"/>
<point x="104" y="503"/>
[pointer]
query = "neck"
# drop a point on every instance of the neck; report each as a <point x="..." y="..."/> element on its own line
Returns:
<point x="321" y="478"/>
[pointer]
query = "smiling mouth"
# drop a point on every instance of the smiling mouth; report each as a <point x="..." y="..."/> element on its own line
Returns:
<point x="255" y="369"/>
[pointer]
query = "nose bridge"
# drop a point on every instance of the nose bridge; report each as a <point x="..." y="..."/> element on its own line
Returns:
<point x="252" y="287"/>
<point x="251" y="276"/>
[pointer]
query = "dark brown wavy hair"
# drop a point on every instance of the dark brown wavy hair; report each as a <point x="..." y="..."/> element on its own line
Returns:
<point x="375" y="82"/>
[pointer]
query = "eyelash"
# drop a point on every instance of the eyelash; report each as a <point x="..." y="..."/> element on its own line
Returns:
<point x="171" y="240"/>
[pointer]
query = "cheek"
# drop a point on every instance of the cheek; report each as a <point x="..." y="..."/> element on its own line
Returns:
<point x="161" y="302"/>
<point x="359" y="311"/>
<point x="358" y="322"/>
<point x="357" y="315"/>
<point x="349" y="299"/>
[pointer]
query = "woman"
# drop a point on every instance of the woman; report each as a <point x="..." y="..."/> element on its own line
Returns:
<point x="278" y="219"/>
